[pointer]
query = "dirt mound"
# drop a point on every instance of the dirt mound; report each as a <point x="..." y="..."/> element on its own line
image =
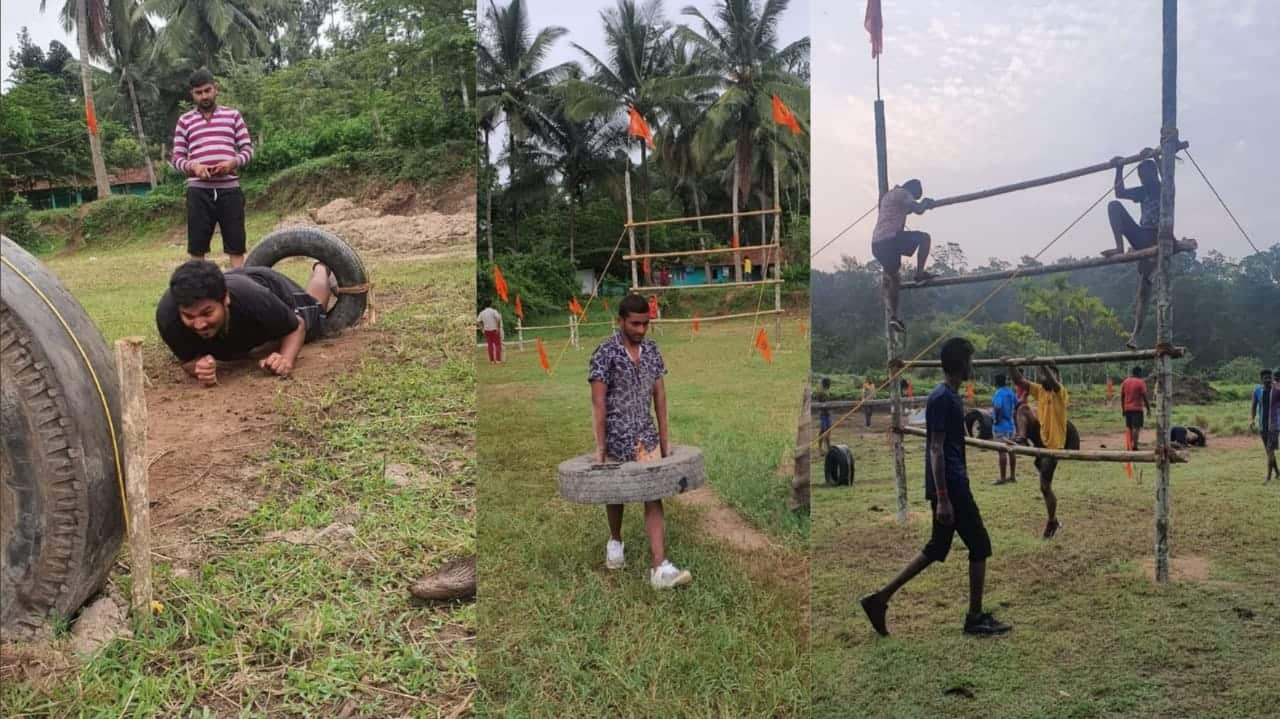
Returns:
<point x="1188" y="390"/>
<point x="397" y="221"/>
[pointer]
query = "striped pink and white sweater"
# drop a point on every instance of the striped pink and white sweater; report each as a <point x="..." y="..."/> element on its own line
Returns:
<point x="223" y="136"/>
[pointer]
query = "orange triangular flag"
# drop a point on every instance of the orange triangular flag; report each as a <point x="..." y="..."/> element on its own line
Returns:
<point x="696" y="324"/>
<point x="645" y="266"/>
<point x="500" y="283"/>
<point x="90" y="116"/>
<point x="1128" y="444"/>
<point x="519" y="308"/>
<point x="762" y="344"/>
<point x="638" y="127"/>
<point x="574" y="307"/>
<point x="968" y="391"/>
<point x="542" y="357"/>
<point x="733" y="242"/>
<point x="782" y="115"/>
<point x="1111" y="390"/>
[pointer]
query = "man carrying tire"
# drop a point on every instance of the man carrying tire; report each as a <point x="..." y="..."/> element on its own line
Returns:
<point x="206" y="316"/>
<point x="209" y="144"/>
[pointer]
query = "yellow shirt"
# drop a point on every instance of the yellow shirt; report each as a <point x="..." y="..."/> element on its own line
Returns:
<point x="1051" y="408"/>
<point x="747" y="265"/>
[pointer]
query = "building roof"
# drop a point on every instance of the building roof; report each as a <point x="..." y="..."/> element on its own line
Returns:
<point x="131" y="176"/>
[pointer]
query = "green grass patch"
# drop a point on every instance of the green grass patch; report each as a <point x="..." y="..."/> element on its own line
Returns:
<point x="565" y="637"/>
<point x="1092" y="636"/>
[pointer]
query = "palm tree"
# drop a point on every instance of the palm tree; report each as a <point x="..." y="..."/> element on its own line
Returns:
<point x="740" y="51"/>
<point x="486" y="122"/>
<point x="90" y="20"/>
<point x="509" y="79"/>
<point x="132" y="49"/>
<point x="636" y="72"/>
<point x="200" y="30"/>
<point x="676" y="142"/>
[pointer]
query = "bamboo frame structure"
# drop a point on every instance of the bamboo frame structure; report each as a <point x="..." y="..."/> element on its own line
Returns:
<point x="849" y="404"/>
<point x="1166" y="246"/>
<point x="718" y="216"/>
<point x="715" y="251"/>
<point x="1184" y="245"/>
<point x="744" y="283"/>
<point x="1049" y="180"/>
<point x="737" y="315"/>
<point x="1079" y="455"/>
<point x="1094" y="358"/>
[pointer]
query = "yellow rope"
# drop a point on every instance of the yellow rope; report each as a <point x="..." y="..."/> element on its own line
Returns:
<point x="102" y="395"/>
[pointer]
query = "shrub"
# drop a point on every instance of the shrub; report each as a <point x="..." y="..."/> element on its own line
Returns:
<point x="15" y="223"/>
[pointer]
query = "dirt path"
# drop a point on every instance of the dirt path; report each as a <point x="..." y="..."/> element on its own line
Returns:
<point x="764" y="556"/>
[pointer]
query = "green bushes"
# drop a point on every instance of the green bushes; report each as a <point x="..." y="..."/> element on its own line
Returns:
<point x="16" y="224"/>
<point x="121" y="217"/>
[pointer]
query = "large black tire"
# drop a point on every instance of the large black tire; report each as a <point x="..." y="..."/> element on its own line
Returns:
<point x="838" y="466"/>
<point x="61" y="520"/>
<point x="326" y="247"/>
<point x="975" y="420"/>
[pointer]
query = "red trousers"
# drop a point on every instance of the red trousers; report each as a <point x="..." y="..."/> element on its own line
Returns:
<point x="493" y="343"/>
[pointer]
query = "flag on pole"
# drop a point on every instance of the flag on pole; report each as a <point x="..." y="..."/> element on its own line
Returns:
<point x="90" y="116"/>
<point x="500" y="283"/>
<point x="874" y="23"/>
<point x="762" y="344"/>
<point x="696" y="324"/>
<point x="638" y="127"/>
<point x="782" y="115"/>
<point x="1111" y="390"/>
<point x="645" y="266"/>
<point x="968" y="391"/>
<point x="542" y="357"/>
<point x="519" y="308"/>
<point x="574" y="307"/>
<point x="1128" y="444"/>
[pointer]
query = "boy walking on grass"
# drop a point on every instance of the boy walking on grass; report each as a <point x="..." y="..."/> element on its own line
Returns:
<point x="626" y="377"/>
<point x="946" y="486"/>
<point x="1263" y="416"/>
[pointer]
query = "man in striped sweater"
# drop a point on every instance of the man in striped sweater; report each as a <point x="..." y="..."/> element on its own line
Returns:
<point x="209" y="144"/>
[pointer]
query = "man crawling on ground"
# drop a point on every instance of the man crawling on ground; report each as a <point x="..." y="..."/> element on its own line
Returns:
<point x="207" y="317"/>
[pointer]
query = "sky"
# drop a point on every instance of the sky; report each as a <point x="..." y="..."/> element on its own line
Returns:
<point x="986" y="93"/>
<point x="44" y="26"/>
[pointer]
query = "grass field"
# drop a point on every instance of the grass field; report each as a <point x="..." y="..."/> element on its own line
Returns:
<point x="265" y="628"/>
<point x="1093" y="636"/>
<point x="562" y="636"/>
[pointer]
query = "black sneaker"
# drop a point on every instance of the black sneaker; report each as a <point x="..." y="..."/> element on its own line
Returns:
<point x="875" y="608"/>
<point x="984" y="625"/>
<point x="1051" y="528"/>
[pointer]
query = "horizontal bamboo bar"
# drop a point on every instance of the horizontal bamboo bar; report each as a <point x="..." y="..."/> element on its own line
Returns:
<point x="716" y="251"/>
<point x="1060" y="359"/>
<point x="721" y="216"/>
<point x="1079" y="455"/>
<point x="844" y="405"/>
<point x="720" y="317"/>
<point x="1051" y="179"/>
<point x="709" y="284"/>
<point x="1184" y="245"/>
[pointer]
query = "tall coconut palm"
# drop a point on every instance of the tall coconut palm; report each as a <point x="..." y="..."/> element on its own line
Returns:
<point x="132" y="55"/>
<point x="90" y="20"/>
<point x="635" y="72"/>
<point x="510" y="78"/>
<point x="676" y="141"/>
<point x="740" y="51"/>
<point x="486" y="122"/>
<point x="202" y="30"/>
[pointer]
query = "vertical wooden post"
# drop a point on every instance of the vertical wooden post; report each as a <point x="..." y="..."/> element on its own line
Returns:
<point x="737" y="256"/>
<point x="882" y="151"/>
<point x="631" y="231"/>
<point x="520" y="333"/>
<point x="1164" y="308"/>
<point x="800" y="479"/>
<point x="133" y="417"/>
<point x="895" y="395"/>
<point x="777" y="261"/>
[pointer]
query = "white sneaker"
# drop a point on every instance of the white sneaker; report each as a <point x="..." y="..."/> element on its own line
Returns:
<point x="666" y="575"/>
<point x="613" y="554"/>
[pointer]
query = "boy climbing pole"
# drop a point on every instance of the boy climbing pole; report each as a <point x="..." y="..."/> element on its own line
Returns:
<point x="891" y="241"/>
<point x="626" y="378"/>
<point x="1048" y="431"/>
<point x="1141" y="234"/>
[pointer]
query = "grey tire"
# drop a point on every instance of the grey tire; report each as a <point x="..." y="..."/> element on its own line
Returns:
<point x="326" y="247"/>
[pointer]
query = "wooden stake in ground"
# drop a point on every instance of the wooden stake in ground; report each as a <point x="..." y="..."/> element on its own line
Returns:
<point x="133" y="417"/>
<point x="800" y="482"/>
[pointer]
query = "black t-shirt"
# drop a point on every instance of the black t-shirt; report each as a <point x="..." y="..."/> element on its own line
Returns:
<point x="261" y="311"/>
<point x="944" y="414"/>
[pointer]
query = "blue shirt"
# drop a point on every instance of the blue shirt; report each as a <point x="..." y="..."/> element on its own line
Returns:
<point x="944" y="414"/>
<point x="1263" y="400"/>
<point x="1002" y="408"/>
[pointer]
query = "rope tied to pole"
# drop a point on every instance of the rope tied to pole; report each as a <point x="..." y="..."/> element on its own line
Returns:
<point x="365" y="288"/>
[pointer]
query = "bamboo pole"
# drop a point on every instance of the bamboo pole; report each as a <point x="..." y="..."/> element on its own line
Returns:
<point x="851" y="404"/>
<point x="631" y="230"/>
<point x="1164" y="302"/>
<point x="695" y="218"/>
<point x="1079" y="455"/>
<point x="1185" y="245"/>
<point x="676" y="320"/>
<point x="777" y="261"/>
<point x="1096" y="357"/>
<point x="134" y="429"/>
<point x="1051" y="179"/>
<point x="520" y="333"/>
<point x="800" y="476"/>
<point x="710" y="284"/>
<point x="683" y="253"/>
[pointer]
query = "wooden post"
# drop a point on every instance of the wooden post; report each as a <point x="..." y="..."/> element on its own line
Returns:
<point x="882" y="151"/>
<point x="133" y="417"/>
<point x="800" y="480"/>
<point x="777" y="261"/>
<point x="520" y="333"/>
<point x="1164" y="308"/>
<point x="631" y="230"/>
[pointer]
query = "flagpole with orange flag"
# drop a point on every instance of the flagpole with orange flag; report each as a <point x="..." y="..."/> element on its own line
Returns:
<point x="500" y="283"/>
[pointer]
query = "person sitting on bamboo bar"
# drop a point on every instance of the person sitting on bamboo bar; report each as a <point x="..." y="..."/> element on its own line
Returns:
<point x="946" y="486"/>
<point x="1048" y="431"/>
<point x="1141" y="234"/>
<point x="626" y="379"/>
<point x="891" y="241"/>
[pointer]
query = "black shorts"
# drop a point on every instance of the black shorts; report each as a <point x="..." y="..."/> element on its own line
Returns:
<point x="891" y="251"/>
<point x="313" y="315"/>
<point x="1133" y="418"/>
<point x="1049" y="465"/>
<point x="208" y="207"/>
<point x="967" y="522"/>
<point x="1270" y="439"/>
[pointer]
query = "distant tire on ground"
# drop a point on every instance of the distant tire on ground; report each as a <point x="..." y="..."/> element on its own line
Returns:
<point x="979" y="421"/>
<point x="326" y="247"/>
<point x="838" y="465"/>
<point x="61" y="519"/>
<point x="584" y="482"/>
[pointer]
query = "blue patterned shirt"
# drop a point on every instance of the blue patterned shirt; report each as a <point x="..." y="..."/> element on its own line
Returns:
<point x="628" y="394"/>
